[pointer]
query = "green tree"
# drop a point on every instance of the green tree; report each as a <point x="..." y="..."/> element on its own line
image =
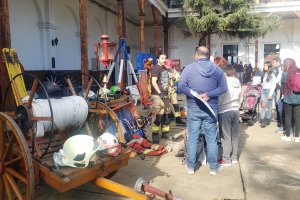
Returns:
<point x="226" y="18"/>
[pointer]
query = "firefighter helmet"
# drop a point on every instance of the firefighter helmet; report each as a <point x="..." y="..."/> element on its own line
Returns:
<point x="110" y="144"/>
<point x="78" y="150"/>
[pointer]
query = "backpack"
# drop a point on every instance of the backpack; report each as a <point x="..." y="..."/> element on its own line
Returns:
<point x="296" y="83"/>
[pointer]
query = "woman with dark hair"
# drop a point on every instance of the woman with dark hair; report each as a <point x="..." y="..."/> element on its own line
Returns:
<point x="291" y="99"/>
<point x="268" y="87"/>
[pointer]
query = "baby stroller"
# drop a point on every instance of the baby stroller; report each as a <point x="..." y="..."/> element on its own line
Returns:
<point x="251" y="99"/>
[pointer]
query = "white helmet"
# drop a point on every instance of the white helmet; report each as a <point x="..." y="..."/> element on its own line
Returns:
<point x="78" y="150"/>
<point x="110" y="144"/>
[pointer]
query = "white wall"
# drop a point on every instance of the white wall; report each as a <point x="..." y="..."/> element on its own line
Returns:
<point x="25" y="33"/>
<point x="34" y="23"/>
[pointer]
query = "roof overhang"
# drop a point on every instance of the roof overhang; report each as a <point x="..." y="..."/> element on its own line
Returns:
<point x="277" y="7"/>
<point x="293" y="7"/>
<point x="160" y="5"/>
<point x="175" y="13"/>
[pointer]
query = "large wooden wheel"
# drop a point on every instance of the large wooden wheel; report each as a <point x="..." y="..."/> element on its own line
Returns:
<point x="16" y="167"/>
<point x="101" y="118"/>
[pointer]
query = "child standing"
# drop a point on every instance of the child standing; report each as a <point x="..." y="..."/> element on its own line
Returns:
<point x="229" y="104"/>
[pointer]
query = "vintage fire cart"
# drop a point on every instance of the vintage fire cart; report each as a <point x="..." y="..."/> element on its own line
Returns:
<point x="37" y="128"/>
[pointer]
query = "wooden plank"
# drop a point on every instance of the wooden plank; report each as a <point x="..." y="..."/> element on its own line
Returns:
<point x="41" y="118"/>
<point x="88" y="88"/>
<point x="32" y="91"/>
<point x="71" y="87"/>
<point x="122" y="99"/>
<point x="101" y="112"/>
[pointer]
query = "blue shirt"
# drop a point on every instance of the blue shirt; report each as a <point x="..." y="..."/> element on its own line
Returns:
<point x="203" y="76"/>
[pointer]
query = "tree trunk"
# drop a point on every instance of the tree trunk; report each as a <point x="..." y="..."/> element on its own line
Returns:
<point x="204" y="40"/>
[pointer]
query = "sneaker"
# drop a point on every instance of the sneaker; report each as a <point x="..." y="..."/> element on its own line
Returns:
<point x="280" y="130"/>
<point x="190" y="171"/>
<point x="216" y="172"/>
<point x="222" y="162"/>
<point x="297" y="139"/>
<point x="285" y="138"/>
<point x="234" y="162"/>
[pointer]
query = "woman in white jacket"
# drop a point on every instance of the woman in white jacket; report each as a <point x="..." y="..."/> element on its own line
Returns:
<point x="267" y="96"/>
<point x="228" y="114"/>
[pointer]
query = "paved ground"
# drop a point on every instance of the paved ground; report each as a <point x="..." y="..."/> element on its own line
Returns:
<point x="269" y="165"/>
<point x="269" y="168"/>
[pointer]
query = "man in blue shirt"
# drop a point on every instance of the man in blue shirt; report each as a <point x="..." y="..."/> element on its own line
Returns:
<point x="209" y="81"/>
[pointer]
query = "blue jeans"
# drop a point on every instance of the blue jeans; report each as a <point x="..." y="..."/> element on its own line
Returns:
<point x="266" y="113"/>
<point x="280" y="111"/>
<point x="197" y="120"/>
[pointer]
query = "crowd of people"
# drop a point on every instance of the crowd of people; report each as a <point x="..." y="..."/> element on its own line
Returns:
<point x="281" y="84"/>
<point x="217" y="103"/>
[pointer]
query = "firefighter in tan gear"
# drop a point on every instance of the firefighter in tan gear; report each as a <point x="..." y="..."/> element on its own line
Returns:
<point x="172" y="92"/>
<point x="159" y="93"/>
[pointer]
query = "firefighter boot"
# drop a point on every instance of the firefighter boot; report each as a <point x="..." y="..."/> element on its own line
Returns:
<point x="171" y="117"/>
<point x="165" y="132"/>
<point x="179" y="121"/>
<point x="155" y="134"/>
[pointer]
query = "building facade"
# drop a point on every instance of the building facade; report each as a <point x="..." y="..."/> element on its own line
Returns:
<point x="45" y="33"/>
<point x="284" y="42"/>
